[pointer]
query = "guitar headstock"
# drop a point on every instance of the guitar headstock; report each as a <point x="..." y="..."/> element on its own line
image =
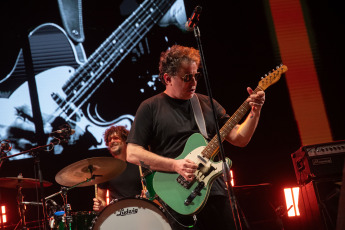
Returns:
<point x="272" y="77"/>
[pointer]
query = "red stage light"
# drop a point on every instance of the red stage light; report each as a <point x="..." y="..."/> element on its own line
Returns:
<point x="3" y="217"/>
<point x="232" y="178"/>
<point x="291" y="198"/>
<point x="107" y="197"/>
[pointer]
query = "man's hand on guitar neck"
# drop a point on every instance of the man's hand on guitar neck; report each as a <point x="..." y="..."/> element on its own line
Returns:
<point x="255" y="100"/>
<point x="185" y="168"/>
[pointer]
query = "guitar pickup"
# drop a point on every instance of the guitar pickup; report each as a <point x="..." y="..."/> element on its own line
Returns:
<point x="195" y="192"/>
<point x="202" y="159"/>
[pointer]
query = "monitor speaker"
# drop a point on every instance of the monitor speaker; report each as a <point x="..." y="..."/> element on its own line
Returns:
<point x="319" y="201"/>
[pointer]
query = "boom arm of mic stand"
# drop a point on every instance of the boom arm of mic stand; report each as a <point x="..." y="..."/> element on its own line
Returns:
<point x="226" y="170"/>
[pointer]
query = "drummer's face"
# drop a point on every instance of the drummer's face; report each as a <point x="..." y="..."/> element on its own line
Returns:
<point x="115" y="145"/>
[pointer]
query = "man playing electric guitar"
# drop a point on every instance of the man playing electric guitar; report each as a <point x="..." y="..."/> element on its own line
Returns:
<point x="165" y="124"/>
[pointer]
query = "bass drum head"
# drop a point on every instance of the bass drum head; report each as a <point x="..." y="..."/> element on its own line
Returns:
<point x="131" y="214"/>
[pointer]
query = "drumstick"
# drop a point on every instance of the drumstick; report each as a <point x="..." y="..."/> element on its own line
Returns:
<point x="142" y="177"/>
<point x="96" y="192"/>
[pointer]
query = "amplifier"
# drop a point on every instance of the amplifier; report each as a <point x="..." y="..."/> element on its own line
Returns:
<point x="319" y="161"/>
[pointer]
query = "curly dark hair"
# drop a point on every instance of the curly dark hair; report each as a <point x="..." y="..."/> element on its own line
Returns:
<point x="121" y="131"/>
<point x="170" y="60"/>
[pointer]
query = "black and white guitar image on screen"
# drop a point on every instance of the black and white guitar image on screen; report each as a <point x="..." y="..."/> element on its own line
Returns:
<point x="66" y="79"/>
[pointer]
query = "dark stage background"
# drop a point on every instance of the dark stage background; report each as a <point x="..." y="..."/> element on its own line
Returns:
<point x="239" y="47"/>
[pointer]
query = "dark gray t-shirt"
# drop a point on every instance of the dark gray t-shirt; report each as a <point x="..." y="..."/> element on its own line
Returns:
<point x="164" y="124"/>
<point x="127" y="184"/>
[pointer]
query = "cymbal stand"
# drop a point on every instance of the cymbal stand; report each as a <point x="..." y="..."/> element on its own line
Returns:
<point x="67" y="206"/>
<point x="69" y="188"/>
<point x="21" y="207"/>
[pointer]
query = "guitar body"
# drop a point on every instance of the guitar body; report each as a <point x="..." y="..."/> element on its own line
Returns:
<point x="47" y="42"/>
<point x="173" y="193"/>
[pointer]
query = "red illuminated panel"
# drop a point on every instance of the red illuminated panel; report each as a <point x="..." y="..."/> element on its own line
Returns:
<point x="232" y="178"/>
<point x="3" y="216"/>
<point x="301" y="78"/>
<point x="291" y="199"/>
<point x="107" y="197"/>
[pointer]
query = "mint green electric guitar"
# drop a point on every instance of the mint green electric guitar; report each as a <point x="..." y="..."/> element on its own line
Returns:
<point x="189" y="197"/>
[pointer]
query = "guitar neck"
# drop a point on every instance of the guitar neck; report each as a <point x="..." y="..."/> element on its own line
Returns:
<point x="213" y="146"/>
<point x="129" y="33"/>
<point x="114" y="49"/>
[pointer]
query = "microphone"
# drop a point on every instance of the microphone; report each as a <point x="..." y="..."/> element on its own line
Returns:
<point x="194" y="19"/>
<point x="63" y="132"/>
<point x="5" y="146"/>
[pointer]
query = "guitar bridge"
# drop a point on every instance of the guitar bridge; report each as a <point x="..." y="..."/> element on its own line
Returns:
<point x="196" y="192"/>
<point x="65" y="106"/>
<point x="182" y="181"/>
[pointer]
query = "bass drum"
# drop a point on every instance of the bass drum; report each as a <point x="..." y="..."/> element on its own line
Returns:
<point x="131" y="214"/>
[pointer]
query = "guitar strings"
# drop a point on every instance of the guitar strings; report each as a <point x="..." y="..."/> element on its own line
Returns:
<point x="102" y="58"/>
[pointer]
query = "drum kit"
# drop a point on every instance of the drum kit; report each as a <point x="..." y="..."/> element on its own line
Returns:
<point x="127" y="213"/>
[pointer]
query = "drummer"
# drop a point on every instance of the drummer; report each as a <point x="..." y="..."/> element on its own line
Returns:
<point x="128" y="184"/>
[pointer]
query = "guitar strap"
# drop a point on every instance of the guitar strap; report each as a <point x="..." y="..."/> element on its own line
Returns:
<point x="71" y="14"/>
<point x="199" y="117"/>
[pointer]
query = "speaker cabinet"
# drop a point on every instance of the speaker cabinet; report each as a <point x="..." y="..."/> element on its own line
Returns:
<point x="318" y="204"/>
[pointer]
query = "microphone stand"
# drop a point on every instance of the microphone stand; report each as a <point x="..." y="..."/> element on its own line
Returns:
<point x="226" y="169"/>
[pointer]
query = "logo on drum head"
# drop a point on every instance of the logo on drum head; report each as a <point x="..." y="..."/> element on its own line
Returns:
<point x="127" y="211"/>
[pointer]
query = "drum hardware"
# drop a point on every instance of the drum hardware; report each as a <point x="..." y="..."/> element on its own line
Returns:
<point x="19" y="183"/>
<point x="34" y="152"/>
<point x="87" y="172"/>
<point x="21" y="207"/>
<point x="56" y="214"/>
<point x="64" y="216"/>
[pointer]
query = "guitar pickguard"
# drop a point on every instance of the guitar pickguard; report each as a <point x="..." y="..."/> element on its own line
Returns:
<point x="175" y="192"/>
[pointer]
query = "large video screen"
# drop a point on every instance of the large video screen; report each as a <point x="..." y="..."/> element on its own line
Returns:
<point x="70" y="87"/>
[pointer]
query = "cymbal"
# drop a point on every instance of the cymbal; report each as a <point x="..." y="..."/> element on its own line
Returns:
<point x="102" y="168"/>
<point x="15" y="182"/>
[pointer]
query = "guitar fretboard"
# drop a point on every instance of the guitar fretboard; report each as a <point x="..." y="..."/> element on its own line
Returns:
<point x="112" y="51"/>
<point x="213" y="146"/>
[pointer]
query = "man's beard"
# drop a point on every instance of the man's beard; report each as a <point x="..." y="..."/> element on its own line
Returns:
<point x="117" y="151"/>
